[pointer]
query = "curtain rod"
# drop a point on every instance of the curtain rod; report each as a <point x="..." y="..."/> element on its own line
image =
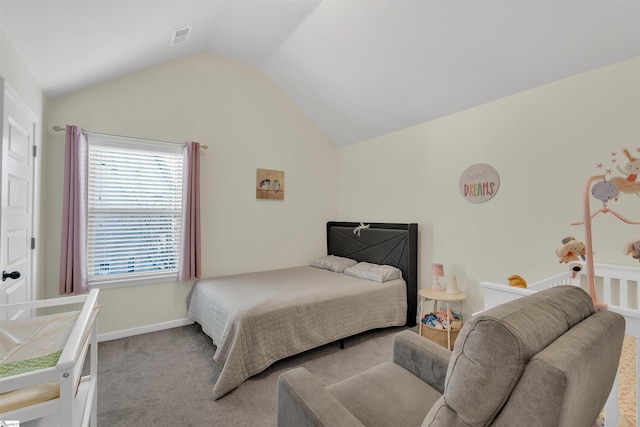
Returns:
<point x="59" y="129"/>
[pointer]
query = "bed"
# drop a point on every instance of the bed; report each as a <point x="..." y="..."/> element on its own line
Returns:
<point x="44" y="380"/>
<point x="255" y="319"/>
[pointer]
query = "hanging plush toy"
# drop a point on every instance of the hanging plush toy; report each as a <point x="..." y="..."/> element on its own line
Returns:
<point x="633" y="248"/>
<point x="632" y="169"/>
<point x="571" y="250"/>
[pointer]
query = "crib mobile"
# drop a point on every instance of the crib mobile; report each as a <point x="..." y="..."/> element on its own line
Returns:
<point x="603" y="190"/>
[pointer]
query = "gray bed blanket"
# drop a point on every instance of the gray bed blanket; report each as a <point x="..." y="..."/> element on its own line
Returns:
<point x="255" y="319"/>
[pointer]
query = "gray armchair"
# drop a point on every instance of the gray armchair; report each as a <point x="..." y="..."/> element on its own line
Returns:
<point x="543" y="360"/>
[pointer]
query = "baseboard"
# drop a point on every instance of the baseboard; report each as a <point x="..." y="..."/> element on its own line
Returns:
<point x="108" y="336"/>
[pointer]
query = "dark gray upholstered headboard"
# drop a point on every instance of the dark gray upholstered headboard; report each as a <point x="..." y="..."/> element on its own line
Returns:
<point x="381" y="243"/>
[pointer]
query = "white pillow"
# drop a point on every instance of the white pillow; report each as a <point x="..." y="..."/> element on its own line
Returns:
<point x="375" y="272"/>
<point x="336" y="264"/>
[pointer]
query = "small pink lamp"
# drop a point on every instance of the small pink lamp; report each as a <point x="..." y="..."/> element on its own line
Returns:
<point x="437" y="270"/>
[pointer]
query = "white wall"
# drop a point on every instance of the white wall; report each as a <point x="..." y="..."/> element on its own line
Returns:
<point x="544" y="143"/>
<point x="15" y="72"/>
<point x="247" y="124"/>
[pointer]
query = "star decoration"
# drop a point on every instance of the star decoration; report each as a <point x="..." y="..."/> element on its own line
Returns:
<point x="609" y="171"/>
<point x="614" y="161"/>
<point x="613" y="154"/>
<point x="599" y="166"/>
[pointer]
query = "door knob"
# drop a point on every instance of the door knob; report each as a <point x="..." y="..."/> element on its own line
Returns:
<point x="12" y="275"/>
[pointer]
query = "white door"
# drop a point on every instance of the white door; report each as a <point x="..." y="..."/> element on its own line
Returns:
<point x="16" y="210"/>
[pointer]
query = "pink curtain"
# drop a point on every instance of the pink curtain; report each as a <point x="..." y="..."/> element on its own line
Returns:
<point x="190" y="264"/>
<point x="73" y="267"/>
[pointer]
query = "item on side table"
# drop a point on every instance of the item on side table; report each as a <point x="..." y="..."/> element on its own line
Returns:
<point x="437" y="270"/>
<point x="439" y="319"/>
<point x="452" y="285"/>
<point x="434" y="327"/>
<point x="440" y="337"/>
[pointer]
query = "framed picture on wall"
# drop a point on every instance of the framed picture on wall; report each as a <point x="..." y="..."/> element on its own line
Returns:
<point x="269" y="184"/>
<point x="479" y="183"/>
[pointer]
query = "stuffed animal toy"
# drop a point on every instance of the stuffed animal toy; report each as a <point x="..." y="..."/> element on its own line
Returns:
<point x="443" y="314"/>
<point x="456" y="325"/>
<point x="633" y="248"/>
<point x="517" y="281"/>
<point x="571" y="250"/>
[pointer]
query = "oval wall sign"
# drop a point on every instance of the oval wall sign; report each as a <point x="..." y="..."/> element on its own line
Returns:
<point x="479" y="183"/>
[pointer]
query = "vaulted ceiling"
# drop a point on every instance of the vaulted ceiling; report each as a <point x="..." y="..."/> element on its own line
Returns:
<point x="357" y="68"/>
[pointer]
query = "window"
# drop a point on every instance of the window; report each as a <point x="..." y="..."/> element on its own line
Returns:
<point x="134" y="210"/>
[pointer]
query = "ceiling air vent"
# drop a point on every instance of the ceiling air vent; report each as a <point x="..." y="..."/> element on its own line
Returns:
<point x="180" y="36"/>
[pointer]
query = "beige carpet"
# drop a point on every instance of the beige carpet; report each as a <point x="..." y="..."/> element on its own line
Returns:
<point x="627" y="384"/>
<point x="165" y="378"/>
<point x="627" y="413"/>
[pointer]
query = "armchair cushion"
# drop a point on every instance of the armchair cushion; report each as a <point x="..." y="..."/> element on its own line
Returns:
<point x="398" y="393"/>
<point x="423" y="358"/>
<point x="386" y="395"/>
<point x="303" y="401"/>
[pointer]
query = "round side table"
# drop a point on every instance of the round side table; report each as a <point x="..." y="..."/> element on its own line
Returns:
<point x="442" y="296"/>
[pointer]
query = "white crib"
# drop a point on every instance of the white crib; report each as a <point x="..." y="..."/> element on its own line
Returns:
<point x="617" y="286"/>
<point x="77" y="400"/>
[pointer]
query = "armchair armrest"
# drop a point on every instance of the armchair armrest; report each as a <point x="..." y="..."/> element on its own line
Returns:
<point x="422" y="357"/>
<point x="304" y="401"/>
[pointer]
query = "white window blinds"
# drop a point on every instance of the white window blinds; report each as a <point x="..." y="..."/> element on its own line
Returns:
<point x="134" y="209"/>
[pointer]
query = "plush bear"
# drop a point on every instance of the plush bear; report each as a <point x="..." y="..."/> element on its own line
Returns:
<point x="633" y="248"/>
<point x="571" y="250"/>
<point x="517" y="281"/>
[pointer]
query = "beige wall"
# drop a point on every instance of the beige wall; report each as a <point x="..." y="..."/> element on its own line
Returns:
<point x="247" y="124"/>
<point x="15" y="72"/>
<point x="544" y="143"/>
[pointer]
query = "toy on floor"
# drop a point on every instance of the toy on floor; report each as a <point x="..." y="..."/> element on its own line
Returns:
<point x="633" y="248"/>
<point x="571" y="250"/>
<point x="517" y="281"/>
